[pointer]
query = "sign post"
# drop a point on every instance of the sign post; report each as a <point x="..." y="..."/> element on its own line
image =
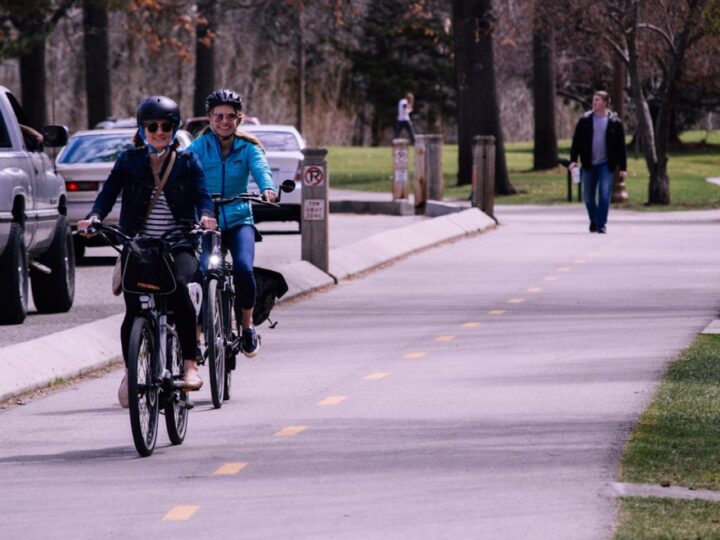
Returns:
<point x="419" y="178"/>
<point x="484" y="173"/>
<point x="433" y="167"/>
<point x="400" y="169"/>
<point x="315" y="208"/>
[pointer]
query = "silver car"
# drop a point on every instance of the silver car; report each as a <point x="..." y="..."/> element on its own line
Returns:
<point x="85" y="164"/>
<point x="283" y="145"/>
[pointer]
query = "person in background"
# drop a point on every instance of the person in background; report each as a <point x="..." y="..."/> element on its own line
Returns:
<point x="183" y="197"/>
<point x="599" y="141"/>
<point x="228" y="156"/>
<point x="405" y="107"/>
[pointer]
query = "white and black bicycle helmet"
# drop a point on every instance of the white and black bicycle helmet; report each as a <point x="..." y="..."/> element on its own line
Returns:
<point x="224" y="96"/>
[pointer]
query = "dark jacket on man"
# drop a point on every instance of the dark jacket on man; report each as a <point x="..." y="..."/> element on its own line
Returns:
<point x="615" y="138"/>
<point x="184" y="190"/>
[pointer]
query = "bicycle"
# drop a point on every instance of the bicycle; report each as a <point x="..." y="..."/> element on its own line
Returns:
<point x="222" y="336"/>
<point x="155" y="361"/>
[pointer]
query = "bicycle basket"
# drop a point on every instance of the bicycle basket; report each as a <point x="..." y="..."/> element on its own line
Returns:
<point x="147" y="268"/>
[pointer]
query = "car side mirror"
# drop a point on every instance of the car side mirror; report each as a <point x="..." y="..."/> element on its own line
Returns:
<point x="55" y="136"/>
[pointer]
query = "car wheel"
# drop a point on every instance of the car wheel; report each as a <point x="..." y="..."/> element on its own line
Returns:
<point x="55" y="292"/>
<point x="14" y="278"/>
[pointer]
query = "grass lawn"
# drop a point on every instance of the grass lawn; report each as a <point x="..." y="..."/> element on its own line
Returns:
<point x="370" y="169"/>
<point x="642" y="519"/>
<point x="677" y="441"/>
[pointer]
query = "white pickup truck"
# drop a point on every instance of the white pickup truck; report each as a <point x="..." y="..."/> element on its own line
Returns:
<point x="36" y="244"/>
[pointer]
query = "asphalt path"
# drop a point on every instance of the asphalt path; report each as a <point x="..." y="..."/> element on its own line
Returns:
<point x="481" y="389"/>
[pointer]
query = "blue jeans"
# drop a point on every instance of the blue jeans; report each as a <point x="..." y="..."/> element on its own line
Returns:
<point x="241" y="243"/>
<point x="597" y="185"/>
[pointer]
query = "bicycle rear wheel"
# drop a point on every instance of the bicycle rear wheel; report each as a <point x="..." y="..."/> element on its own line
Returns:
<point x="176" y="410"/>
<point x="143" y="389"/>
<point x="214" y="336"/>
<point x="232" y="337"/>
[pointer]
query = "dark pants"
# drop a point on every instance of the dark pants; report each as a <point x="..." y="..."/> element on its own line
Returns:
<point x="241" y="243"/>
<point x="406" y="125"/>
<point x="179" y="303"/>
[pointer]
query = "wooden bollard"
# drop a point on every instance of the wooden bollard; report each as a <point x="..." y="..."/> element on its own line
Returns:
<point x="400" y="169"/>
<point x="433" y="168"/>
<point x="484" y="173"/>
<point x="315" y="208"/>
<point x="419" y="178"/>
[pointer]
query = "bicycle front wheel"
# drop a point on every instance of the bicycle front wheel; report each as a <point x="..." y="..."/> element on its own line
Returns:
<point x="176" y="410"/>
<point x="214" y="336"/>
<point x="143" y="389"/>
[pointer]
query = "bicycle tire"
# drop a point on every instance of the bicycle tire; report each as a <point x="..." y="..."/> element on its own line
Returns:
<point x="143" y="390"/>
<point x="176" y="411"/>
<point x="214" y="337"/>
<point x="231" y="337"/>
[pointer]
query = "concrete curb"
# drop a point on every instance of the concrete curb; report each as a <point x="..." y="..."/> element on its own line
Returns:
<point x="39" y="363"/>
<point x="362" y="256"/>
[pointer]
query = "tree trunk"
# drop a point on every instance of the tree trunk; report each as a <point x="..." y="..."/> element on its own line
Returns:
<point x="476" y="20"/>
<point x="32" y="81"/>
<point x="545" y="150"/>
<point x="97" y="70"/>
<point x="204" y="56"/>
<point x="463" y="37"/>
<point x="300" y="116"/>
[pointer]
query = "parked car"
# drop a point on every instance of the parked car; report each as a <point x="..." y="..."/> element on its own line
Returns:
<point x="85" y="164"/>
<point x="35" y="241"/>
<point x="283" y="145"/>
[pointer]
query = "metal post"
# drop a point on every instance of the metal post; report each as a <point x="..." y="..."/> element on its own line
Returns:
<point x="315" y="208"/>
<point x="433" y="167"/>
<point x="400" y="169"/>
<point x="419" y="178"/>
<point x="484" y="173"/>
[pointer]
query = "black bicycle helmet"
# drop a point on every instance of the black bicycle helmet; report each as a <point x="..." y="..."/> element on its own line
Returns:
<point x="224" y="96"/>
<point x="158" y="108"/>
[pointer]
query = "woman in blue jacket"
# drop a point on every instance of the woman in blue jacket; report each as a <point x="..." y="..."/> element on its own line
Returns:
<point x="228" y="156"/>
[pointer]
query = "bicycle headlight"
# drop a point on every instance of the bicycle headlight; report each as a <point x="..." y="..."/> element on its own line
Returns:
<point x="214" y="260"/>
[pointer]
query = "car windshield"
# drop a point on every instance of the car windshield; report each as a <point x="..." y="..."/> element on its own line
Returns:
<point x="96" y="148"/>
<point x="277" y="140"/>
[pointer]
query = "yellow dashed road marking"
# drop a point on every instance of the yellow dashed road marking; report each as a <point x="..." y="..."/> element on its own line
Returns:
<point x="496" y="312"/>
<point x="593" y="254"/>
<point x="534" y="290"/>
<point x="563" y="269"/>
<point x="231" y="468"/>
<point x="414" y="355"/>
<point x="444" y="338"/>
<point x="550" y="278"/>
<point x="515" y="301"/>
<point x="580" y="261"/>
<point x="290" y="431"/>
<point x="180" y="513"/>
<point x="377" y="375"/>
<point x="332" y="400"/>
<point x="471" y="325"/>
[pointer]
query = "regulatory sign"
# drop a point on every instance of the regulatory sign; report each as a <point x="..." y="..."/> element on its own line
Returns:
<point x="313" y="176"/>
<point x="314" y="209"/>
<point x="401" y="176"/>
<point x="400" y="155"/>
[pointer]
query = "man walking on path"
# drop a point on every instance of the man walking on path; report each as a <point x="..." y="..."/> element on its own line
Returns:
<point x="405" y="106"/>
<point x="599" y="141"/>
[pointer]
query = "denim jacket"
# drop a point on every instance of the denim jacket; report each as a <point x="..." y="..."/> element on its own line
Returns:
<point x="229" y="176"/>
<point x="184" y="190"/>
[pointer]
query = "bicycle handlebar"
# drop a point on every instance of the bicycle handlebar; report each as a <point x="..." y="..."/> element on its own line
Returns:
<point x="287" y="186"/>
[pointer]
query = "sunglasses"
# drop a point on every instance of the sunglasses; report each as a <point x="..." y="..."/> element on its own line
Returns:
<point x="152" y="127"/>
<point x="218" y="117"/>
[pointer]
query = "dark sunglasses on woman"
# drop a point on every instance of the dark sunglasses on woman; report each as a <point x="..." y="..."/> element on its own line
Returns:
<point x="152" y="127"/>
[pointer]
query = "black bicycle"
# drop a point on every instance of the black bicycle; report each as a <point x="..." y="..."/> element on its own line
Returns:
<point x="155" y="362"/>
<point x="220" y="327"/>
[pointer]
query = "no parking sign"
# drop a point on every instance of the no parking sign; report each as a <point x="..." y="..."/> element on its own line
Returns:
<point x="313" y="175"/>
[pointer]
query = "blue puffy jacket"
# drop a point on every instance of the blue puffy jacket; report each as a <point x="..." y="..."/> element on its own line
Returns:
<point x="229" y="176"/>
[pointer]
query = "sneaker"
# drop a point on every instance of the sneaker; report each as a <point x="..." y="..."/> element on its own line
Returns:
<point x="250" y="342"/>
<point x="602" y="230"/>
<point x="593" y="227"/>
<point x="123" y="399"/>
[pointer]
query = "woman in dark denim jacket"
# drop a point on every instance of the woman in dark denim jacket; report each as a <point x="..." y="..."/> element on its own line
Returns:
<point x="184" y="197"/>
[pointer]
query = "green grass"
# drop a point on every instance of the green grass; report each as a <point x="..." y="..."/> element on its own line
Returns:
<point x="677" y="439"/>
<point x="642" y="519"/>
<point x="370" y="169"/>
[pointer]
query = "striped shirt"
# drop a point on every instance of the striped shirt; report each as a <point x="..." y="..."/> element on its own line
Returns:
<point x="160" y="218"/>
